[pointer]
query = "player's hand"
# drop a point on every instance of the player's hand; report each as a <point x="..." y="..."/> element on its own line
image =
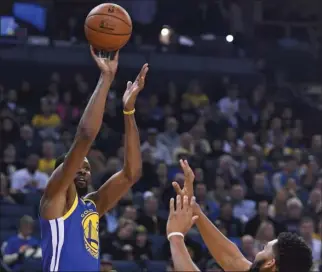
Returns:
<point x="133" y="89"/>
<point x="181" y="217"/>
<point x="107" y="66"/>
<point x="189" y="178"/>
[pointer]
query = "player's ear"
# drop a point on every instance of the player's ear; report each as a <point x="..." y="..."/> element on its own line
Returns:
<point x="269" y="265"/>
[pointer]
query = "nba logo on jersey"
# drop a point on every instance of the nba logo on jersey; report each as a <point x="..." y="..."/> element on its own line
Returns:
<point x="90" y="225"/>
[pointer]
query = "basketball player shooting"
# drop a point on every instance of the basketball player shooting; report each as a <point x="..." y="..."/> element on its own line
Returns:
<point x="69" y="216"/>
<point x="287" y="253"/>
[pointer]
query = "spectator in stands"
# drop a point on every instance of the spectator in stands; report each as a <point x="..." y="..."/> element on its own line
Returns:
<point x="229" y="105"/>
<point x="250" y="171"/>
<point x="47" y="161"/>
<point x="277" y="151"/>
<point x="114" y="244"/>
<point x="187" y="115"/>
<point x="149" y="217"/>
<point x="186" y="146"/>
<point x="316" y="146"/>
<point x="219" y="192"/>
<point x="162" y="180"/>
<point x="66" y="140"/>
<point x="248" y="145"/>
<point x="155" y="111"/>
<point x="142" y="246"/>
<point x="67" y="112"/>
<point x="5" y="197"/>
<point x="243" y="209"/>
<point x="264" y="234"/>
<point x="195" y="94"/>
<point x="9" y="163"/>
<point x="106" y="265"/>
<point x="246" y="119"/>
<point x="21" y="247"/>
<point x="28" y="143"/>
<point x="248" y="247"/>
<point x="253" y="224"/>
<point x="294" y="214"/>
<point x="170" y="137"/>
<point x="29" y="179"/>
<point x="306" y="231"/>
<point x="11" y="101"/>
<point x="290" y="170"/>
<point x="130" y="213"/>
<point x="259" y="190"/>
<point x="314" y="202"/>
<point x="159" y="151"/>
<point x="25" y="96"/>
<point x="8" y="132"/>
<point x="47" y="117"/>
<point x="233" y="225"/>
<point x="209" y="206"/>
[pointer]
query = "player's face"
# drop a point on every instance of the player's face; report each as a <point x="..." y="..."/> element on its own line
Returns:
<point x="83" y="176"/>
<point x="265" y="257"/>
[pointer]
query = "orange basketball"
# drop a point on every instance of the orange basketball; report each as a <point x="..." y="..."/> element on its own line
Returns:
<point x="108" y="27"/>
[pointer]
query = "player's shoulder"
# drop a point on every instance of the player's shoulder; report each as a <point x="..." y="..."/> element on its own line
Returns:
<point x="89" y="199"/>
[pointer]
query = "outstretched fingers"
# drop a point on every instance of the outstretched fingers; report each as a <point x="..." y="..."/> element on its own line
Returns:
<point x="172" y="210"/>
<point x="177" y="188"/>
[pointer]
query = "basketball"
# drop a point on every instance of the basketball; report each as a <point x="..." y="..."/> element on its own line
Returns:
<point x="108" y="27"/>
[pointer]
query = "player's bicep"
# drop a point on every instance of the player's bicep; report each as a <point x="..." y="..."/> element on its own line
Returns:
<point x="107" y="196"/>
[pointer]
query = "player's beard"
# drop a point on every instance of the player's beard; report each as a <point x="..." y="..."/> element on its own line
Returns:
<point x="256" y="266"/>
<point x="81" y="191"/>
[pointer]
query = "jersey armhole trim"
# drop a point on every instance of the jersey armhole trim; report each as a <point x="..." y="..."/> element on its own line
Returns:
<point x="72" y="208"/>
<point x="87" y="199"/>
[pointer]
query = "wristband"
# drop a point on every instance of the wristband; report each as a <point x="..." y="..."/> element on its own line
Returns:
<point x="175" y="234"/>
<point x="129" y="112"/>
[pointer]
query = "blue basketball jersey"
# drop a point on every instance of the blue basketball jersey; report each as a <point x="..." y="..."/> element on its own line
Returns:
<point x="71" y="242"/>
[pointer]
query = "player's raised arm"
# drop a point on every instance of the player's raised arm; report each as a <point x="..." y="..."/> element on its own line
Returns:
<point x="225" y="252"/>
<point x="179" y="222"/>
<point x="118" y="185"/>
<point x="54" y="201"/>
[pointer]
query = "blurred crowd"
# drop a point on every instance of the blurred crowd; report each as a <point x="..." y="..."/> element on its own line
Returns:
<point x="258" y="172"/>
<point x="247" y="21"/>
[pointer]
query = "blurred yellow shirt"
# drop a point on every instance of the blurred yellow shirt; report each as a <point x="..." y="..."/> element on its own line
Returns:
<point x="197" y="99"/>
<point x="40" y="120"/>
<point x="46" y="166"/>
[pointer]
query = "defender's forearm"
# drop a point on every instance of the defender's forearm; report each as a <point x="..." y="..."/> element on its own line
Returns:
<point x="225" y="252"/>
<point x="180" y="255"/>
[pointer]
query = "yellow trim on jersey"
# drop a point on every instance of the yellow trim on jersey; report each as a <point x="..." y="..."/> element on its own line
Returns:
<point x="72" y="208"/>
<point x="87" y="199"/>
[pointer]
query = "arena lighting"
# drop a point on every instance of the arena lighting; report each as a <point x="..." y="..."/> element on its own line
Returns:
<point x="165" y="31"/>
<point x="165" y="35"/>
<point x="186" y="41"/>
<point x="229" y="38"/>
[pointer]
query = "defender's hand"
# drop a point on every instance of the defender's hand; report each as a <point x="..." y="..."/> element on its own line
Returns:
<point x="181" y="218"/>
<point x="133" y="89"/>
<point x="107" y="66"/>
<point x="189" y="178"/>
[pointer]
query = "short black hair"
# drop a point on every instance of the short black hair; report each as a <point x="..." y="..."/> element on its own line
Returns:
<point x="60" y="160"/>
<point x="292" y="253"/>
